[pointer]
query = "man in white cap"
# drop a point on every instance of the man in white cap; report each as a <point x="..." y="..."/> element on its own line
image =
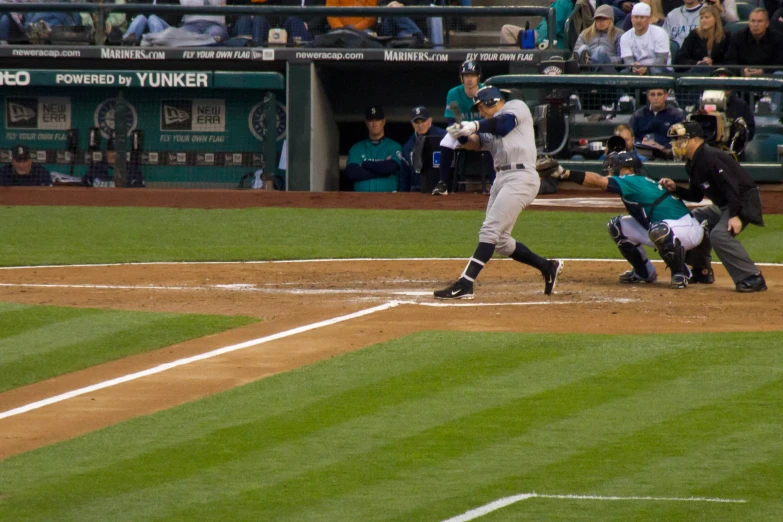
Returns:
<point x="645" y="49"/>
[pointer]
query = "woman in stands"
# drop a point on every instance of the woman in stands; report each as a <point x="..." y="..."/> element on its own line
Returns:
<point x="707" y="44"/>
<point x="657" y="16"/>
<point x="599" y="44"/>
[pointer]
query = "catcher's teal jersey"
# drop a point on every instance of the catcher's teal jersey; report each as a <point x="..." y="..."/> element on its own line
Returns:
<point x="640" y="192"/>
<point x="465" y="104"/>
<point x="368" y="150"/>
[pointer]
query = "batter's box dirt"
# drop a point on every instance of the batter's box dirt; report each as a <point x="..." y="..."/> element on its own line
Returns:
<point x="509" y="298"/>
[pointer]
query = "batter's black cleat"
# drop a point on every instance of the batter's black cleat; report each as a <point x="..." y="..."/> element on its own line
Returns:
<point x="461" y="289"/>
<point x="631" y="278"/>
<point x="551" y="274"/>
<point x="702" y="278"/>
<point x="754" y="283"/>
<point x="679" y="281"/>
<point x="440" y="189"/>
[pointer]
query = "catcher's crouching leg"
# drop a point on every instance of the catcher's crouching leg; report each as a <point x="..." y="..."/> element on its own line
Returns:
<point x="642" y="269"/>
<point x="672" y="253"/>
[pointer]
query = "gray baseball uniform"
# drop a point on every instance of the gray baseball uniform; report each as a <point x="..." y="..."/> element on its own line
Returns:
<point x="516" y="183"/>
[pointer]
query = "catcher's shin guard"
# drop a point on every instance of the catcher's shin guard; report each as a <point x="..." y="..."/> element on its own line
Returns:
<point x="669" y="247"/>
<point x="633" y="253"/>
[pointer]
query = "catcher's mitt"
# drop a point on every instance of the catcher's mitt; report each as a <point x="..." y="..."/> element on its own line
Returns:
<point x="548" y="167"/>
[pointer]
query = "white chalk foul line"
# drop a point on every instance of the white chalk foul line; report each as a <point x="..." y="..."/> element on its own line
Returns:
<point x="194" y="358"/>
<point x="507" y="501"/>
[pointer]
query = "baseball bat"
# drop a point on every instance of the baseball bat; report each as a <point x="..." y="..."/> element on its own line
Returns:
<point x="454" y="106"/>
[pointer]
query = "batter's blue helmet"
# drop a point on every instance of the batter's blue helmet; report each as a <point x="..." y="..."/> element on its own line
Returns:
<point x="488" y="95"/>
<point x="470" y="67"/>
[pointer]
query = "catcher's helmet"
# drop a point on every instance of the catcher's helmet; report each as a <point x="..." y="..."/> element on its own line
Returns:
<point x="470" y="67"/>
<point x="621" y="160"/>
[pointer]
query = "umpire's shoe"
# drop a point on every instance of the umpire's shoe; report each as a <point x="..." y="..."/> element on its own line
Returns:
<point x="754" y="283"/>
<point x="631" y="278"/>
<point x="679" y="281"/>
<point x="440" y="189"/>
<point x="461" y="289"/>
<point x="551" y="274"/>
<point x="703" y="278"/>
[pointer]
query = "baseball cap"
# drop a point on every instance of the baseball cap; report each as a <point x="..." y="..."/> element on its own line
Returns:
<point x="489" y="96"/>
<point x="686" y="129"/>
<point x="722" y="72"/>
<point x="604" y="11"/>
<point x="641" y="9"/>
<point x="420" y="113"/>
<point x="374" y="112"/>
<point x="20" y="152"/>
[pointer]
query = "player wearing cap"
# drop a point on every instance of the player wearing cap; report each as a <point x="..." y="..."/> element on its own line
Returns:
<point x="461" y="98"/>
<point x="505" y="130"/>
<point x="374" y="163"/>
<point x="22" y="171"/>
<point x="416" y="149"/>
<point x="656" y="218"/>
<point x="736" y="202"/>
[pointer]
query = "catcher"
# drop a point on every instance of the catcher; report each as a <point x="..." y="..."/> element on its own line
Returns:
<point x="656" y="217"/>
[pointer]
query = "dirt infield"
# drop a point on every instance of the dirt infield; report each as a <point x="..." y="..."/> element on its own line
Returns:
<point x="287" y="295"/>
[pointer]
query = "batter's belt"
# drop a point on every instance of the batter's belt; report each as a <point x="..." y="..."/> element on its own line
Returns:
<point x="512" y="166"/>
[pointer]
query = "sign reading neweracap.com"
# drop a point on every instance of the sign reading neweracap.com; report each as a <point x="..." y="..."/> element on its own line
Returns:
<point x="142" y="79"/>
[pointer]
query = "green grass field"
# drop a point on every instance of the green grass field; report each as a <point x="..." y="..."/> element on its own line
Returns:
<point x="428" y="426"/>
<point x="419" y="429"/>
<point x="40" y="342"/>
<point x="66" y="235"/>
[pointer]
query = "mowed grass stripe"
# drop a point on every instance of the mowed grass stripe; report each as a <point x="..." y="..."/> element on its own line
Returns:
<point x="397" y="460"/>
<point x="47" y="341"/>
<point x="596" y="411"/>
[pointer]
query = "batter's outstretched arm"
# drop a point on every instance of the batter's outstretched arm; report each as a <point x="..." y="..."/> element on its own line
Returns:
<point x="588" y="179"/>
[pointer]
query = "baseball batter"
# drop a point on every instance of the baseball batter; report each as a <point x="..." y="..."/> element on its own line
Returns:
<point x="656" y="218"/>
<point x="505" y="130"/>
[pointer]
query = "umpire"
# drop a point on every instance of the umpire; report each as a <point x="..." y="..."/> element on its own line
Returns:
<point x="736" y="202"/>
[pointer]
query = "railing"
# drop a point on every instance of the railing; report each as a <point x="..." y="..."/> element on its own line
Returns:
<point x="103" y="10"/>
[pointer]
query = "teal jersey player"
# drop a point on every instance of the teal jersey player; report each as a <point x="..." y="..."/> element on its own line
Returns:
<point x="640" y="193"/>
<point x="464" y="102"/>
<point x="380" y="152"/>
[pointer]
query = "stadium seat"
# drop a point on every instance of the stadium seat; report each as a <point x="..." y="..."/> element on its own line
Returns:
<point x="743" y="10"/>
<point x="735" y="27"/>
<point x="763" y="148"/>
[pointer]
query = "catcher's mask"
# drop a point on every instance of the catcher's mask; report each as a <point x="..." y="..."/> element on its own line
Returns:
<point x="620" y="160"/>
<point x="680" y="134"/>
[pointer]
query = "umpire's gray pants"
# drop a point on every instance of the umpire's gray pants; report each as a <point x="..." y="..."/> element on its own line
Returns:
<point x="512" y="191"/>
<point x="729" y="250"/>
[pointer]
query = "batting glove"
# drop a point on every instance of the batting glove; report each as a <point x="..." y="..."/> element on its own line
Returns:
<point x="466" y="128"/>
<point x="453" y="131"/>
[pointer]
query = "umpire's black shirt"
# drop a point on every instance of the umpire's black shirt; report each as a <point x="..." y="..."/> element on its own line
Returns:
<point x="717" y="175"/>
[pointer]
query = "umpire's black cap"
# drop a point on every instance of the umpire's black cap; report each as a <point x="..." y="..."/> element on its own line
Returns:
<point x="374" y="112"/>
<point x="489" y="96"/>
<point x="685" y="129"/>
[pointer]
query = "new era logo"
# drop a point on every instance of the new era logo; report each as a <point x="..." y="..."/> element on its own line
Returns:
<point x="19" y="113"/>
<point x="174" y="115"/>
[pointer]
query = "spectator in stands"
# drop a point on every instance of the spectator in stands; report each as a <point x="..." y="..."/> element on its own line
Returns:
<point x="772" y="6"/>
<point x="656" y="15"/>
<point x="366" y="23"/>
<point x="298" y="30"/>
<point x="102" y="172"/>
<point x="374" y="163"/>
<point x="756" y="46"/>
<point x="707" y="44"/>
<point x="115" y="25"/>
<point x="726" y="8"/>
<point x="626" y="133"/>
<point x="139" y="24"/>
<point x="210" y="25"/>
<point x="776" y="22"/>
<point x="651" y="123"/>
<point x="401" y="26"/>
<point x="11" y="26"/>
<point x="510" y="33"/>
<point x="417" y="153"/>
<point x="645" y="49"/>
<point x="681" y="21"/>
<point x="599" y="44"/>
<point x="38" y="25"/>
<point x="22" y="171"/>
<point x="623" y="9"/>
